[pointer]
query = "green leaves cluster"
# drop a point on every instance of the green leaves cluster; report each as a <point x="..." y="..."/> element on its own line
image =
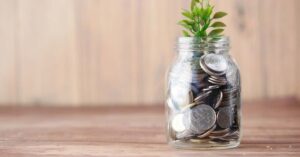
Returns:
<point x="201" y="21"/>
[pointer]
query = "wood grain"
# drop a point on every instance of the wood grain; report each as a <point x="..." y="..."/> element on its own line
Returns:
<point x="138" y="131"/>
<point x="108" y="51"/>
<point x="48" y="56"/>
<point x="279" y="47"/>
<point x="298" y="50"/>
<point x="8" y="51"/>
<point x="95" y="52"/>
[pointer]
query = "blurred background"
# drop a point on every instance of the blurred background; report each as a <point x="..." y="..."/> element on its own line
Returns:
<point x="116" y="52"/>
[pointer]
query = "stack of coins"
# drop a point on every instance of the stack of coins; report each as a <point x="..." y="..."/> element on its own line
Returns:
<point x="207" y="110"/>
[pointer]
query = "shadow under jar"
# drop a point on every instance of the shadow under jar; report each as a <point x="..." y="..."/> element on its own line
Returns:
<point x="204" y="96"/>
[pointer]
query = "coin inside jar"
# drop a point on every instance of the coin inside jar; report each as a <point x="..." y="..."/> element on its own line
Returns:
<point x="177" y="123"/>
<point x="200" y="119"/>
<point x="208" y="132"/>
<point x="210" y="88"/>
<point x="214" y="64"/>
<point x="202" y="96"/>
<point x="181" y="96"/>
<point x="217" y="80"/>
<point x="225" y="117"/>
<point x="219" y="100"/>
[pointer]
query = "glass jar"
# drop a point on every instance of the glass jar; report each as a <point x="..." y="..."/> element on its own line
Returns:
<point x="203" y="101"/>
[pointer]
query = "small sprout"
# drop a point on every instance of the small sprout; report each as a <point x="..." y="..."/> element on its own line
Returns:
<point x="200" y="20"/>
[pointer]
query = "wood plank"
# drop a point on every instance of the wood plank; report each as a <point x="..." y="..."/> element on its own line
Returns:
<point x="8" y="50"/>
<point x="47" y="52"/>
<point x="157" y="39"/>
<point x="108" y="51"/>
<point x="85" y="131"/>
<point x="279" y="46"/>
<point x="298" y="50"/>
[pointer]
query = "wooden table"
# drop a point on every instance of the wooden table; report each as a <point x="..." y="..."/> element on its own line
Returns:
<point x="271" y="128"/>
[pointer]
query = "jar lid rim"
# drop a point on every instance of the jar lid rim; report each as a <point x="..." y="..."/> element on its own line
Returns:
<point x="196" y="40"/>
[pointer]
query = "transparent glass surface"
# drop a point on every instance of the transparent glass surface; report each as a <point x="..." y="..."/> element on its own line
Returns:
<point x="203" y="101"/>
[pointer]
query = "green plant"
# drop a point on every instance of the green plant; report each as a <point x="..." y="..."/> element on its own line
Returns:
<point x="201" y="21"/>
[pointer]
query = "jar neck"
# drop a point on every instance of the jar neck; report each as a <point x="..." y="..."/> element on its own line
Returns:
<point x="198" y="46"/>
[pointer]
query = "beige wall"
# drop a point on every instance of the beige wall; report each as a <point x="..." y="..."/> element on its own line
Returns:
<point x="116" y="52"/>
<point x="298" y="39"/>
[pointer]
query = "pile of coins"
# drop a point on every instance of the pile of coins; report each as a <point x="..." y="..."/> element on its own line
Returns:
<point x="207" y="107"/>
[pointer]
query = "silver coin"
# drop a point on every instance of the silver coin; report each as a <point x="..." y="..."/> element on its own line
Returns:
<point x="219" y="100"/>
<point x="207" y="133"/>
<point x="200" y="119"/>
<point x="188" y="107"/>
<point x="210" y="88"/>
<point x="221" y="83"/>
<point x="217" y="80"/>
<point x="225" y="133"/>
<point x="178" y="123"/>
<point x="225" y="117"/>
<point x="232" y="74"/>
<point x="214" y="64"/>
<point x="202" y="96"/>
<point x="171" y="105"/>
<point x="181" y="95"/>
<point x="221" y="132"/>
<point x="205" y="68"/>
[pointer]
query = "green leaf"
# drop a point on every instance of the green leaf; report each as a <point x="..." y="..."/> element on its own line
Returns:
<point x="204" y="28"/>
<point x="198" y="20"/>
<point x="207" y="13"/>
<point x="200" y="34"/>
<point x="216" y="32"/>
<point x="186" y="34"/>
<point x="196" y="11"/>
<point x="218" y="24"/>
<point x="186" y="26"/>
<point x="219" y="15"/>
<point x="188" y="22"/>
<point x="187" y="14"/>
<point x="194" y="3"/>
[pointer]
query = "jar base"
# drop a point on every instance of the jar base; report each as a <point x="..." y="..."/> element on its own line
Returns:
<point x="204" y="145"/>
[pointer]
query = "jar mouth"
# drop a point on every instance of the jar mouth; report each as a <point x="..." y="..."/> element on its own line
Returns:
<point x="200" y="44"/>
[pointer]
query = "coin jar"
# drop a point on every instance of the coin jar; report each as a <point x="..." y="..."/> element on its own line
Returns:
<point x="203" y="96"/>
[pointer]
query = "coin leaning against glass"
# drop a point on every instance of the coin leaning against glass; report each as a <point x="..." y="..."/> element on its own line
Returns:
<point x="225" y="117"/>
<point x="200" y="119"/>
<point x="214" y="64"/>
<point x="178" y="123"/>
<point x="181" y="96"/>
<point x="219" y="100"/>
